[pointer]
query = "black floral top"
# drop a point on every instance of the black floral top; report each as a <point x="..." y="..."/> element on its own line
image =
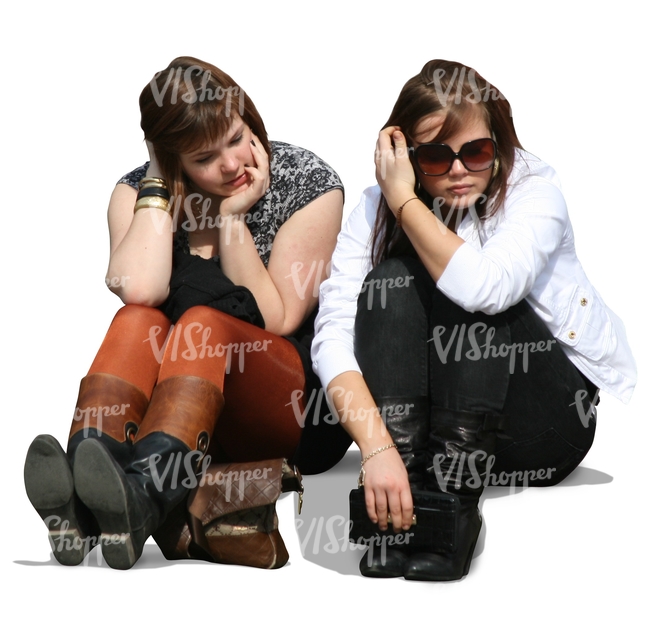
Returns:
<point x="298" y="177"/>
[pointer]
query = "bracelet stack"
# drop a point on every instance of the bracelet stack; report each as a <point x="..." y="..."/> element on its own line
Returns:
<point x="152" y="193"/>
<point x="362" y="472"/>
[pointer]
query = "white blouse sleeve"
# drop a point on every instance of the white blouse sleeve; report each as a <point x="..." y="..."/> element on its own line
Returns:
<point x="333" y="344"/>
<point x="503" y="271"/>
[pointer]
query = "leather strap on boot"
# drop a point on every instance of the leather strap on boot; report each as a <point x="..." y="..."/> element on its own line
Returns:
<point x="185" y="407"/>
<point x="110" y="405"/>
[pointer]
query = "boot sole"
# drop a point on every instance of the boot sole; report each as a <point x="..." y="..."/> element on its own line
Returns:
<point x="50" y="489"/>
<point x="102" y="486"/>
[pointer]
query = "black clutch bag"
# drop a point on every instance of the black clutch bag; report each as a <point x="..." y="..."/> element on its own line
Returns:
<point x="434" y="526"/>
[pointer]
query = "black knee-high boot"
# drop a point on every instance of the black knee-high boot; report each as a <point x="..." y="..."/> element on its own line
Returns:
<point x="459" y="448"/>
<point x="131" y="503"/>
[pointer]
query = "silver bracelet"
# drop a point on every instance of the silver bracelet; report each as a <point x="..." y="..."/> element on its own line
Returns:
<point x="362" y="472"/>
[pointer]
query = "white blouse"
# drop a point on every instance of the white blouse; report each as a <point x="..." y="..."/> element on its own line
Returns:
<point x="526" y="250"/>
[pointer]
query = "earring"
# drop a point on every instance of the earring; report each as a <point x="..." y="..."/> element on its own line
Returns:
<point x="495" y="167"/>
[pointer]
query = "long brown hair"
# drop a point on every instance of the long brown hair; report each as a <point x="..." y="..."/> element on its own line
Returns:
<point x="459" y="92"/>
<point x="189" y="105"/>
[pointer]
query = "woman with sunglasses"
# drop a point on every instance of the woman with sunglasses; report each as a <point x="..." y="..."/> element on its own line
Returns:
<point x="459" y="316"/>
<point x="225" y="235"/>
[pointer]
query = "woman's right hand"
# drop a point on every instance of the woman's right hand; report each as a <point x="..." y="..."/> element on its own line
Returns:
<point x="386" y="481"/>
<point x="387" y="490"/>
<point x="393" y="168"/>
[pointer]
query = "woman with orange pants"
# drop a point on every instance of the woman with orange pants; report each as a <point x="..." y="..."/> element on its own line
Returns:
<point x="223" y="235"/>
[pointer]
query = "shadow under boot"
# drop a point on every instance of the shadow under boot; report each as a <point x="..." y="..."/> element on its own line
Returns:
<point x="460" y="446"/>
<point x="131" y="503"/>
<point x="407" y="421"/>
<point x="108" y="409"/>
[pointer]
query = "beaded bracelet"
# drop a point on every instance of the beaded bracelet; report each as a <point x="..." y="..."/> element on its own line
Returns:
<point x="398" y="217"/>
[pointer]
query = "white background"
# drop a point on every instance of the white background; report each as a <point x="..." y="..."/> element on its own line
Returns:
<point x="324" y="76"/>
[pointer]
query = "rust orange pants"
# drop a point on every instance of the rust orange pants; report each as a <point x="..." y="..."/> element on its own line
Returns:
<point x="257" y="372"/>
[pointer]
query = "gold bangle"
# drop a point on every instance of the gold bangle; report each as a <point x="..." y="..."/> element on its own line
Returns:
<point x="152" y="202"/>
<point x="152" y="181"/>
<point x="362" y="472"/>
<point x="398" y="217"/>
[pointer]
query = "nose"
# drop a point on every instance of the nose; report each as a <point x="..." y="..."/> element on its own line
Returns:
<point x="457" y="168"/>
<point x="229" y="164"/>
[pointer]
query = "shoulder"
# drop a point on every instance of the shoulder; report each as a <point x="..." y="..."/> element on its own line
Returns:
<point x="365" y="213"/>
<point x="133" y="177"/>
<point x="298" y="177"/>
<point x="301" y="166"/>
<point x="534" y="185"/>
<point x="356" y="232"/>
<point x="528" y="169"/>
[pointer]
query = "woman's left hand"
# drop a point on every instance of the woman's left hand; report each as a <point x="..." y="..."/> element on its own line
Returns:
<point x="258" y="182"/>
<point x="394" y="171"/>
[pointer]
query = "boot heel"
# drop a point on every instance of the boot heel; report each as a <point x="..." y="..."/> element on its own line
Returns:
<point x="103" y="487"/>
<point x="119" y="551"/>
<point x="50" y="489"/>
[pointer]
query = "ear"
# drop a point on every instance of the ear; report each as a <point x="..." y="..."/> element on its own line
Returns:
<point x="495" y="167"/>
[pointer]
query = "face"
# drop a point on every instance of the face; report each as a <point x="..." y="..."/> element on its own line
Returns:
<point x="459" y="188"/>
<point x="218" y="168"/>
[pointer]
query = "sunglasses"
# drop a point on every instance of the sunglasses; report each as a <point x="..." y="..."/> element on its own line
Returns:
<point x="436" y="159"/>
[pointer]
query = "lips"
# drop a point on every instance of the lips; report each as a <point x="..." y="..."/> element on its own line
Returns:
<point x="460" y="190"/>
<point x="237" y="182"/>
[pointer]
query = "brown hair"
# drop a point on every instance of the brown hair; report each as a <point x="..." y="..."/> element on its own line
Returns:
<point x="459" y="92"/>
<point x="188" y="106"/>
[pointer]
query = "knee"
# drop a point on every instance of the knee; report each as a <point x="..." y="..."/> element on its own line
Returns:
<point x="401" y="267"/>
<point x="223" y="327"/>
<point x="392" y="281"/>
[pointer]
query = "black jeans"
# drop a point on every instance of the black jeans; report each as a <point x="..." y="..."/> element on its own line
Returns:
<point x="411" y="341"/>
